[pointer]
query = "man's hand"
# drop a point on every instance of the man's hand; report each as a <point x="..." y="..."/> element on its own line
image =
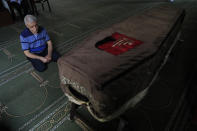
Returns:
<point x="48" y="57"/>
<point x="34" y="56"/>
<point x="44" y="60"/>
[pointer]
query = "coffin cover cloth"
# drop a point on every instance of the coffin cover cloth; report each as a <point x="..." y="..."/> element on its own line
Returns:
<point x="109" y="81"/>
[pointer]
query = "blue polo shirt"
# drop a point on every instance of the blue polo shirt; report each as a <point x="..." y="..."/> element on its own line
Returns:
<point x="34" y="43"/>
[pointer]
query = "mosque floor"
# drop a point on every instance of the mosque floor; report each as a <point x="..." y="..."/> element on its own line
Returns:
<point x="30" y="100"/>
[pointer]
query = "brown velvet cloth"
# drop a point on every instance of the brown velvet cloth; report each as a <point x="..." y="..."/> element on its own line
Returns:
<point x="107" y="80"/>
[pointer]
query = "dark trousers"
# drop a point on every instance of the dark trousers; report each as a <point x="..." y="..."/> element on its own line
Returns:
<point x="39" y="65"/>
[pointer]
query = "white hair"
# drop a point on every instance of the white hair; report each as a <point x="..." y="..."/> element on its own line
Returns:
<point x="29" y="19"/>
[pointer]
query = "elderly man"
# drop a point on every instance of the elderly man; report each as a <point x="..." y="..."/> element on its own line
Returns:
<point x="36" y="44"/>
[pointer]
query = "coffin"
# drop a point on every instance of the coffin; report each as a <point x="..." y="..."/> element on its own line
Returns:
<point x="109" y="84"/>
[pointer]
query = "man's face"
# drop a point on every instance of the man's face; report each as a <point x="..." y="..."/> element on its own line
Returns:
<point x="33" y="27"/>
